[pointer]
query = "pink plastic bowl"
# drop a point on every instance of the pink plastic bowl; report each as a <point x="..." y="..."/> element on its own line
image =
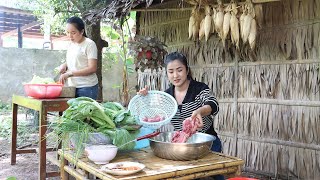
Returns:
<point x="43" y="91"/>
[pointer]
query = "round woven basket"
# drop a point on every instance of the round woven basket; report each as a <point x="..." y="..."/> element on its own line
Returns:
<point x="155" y="103"/>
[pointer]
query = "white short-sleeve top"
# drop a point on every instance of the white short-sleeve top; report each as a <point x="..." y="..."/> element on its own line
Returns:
<point x="78" y="55"/>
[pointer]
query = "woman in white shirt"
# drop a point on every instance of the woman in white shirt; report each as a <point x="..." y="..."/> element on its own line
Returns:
<point x="81" y="64"/>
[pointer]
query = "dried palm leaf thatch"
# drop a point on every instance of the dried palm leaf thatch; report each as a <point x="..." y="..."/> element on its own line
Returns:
<point x="228" y="143"/>
<point x="114" y="9"/>
<point x="259" y="14"/>
<point x="287" y="81"/>
<point x="295" y="124"/>
<point x="224" y="120"/>
<point x="154" y="79"/>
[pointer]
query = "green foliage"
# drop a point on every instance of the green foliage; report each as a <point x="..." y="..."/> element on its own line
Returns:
<point x="11" y="178"/>
<point x="85" y="115"/>
<point x="24" y="130"/>
<point x="4" y="107"/>
<point x="54" y="11"/>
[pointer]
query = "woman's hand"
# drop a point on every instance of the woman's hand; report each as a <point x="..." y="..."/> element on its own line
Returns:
<point x="196" y="116"/>
<point x="63" y="78"/>
<point x="63" y="68"/>
<point x="143" y="91"/>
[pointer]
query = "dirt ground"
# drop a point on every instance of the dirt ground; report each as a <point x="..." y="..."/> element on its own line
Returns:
<point x="26" y="167"/>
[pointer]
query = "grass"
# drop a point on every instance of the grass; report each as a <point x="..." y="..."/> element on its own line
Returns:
<point x="25" y="130"/>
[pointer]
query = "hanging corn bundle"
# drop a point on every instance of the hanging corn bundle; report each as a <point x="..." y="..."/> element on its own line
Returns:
<point x="226" y="25"/>
<point x="201" y="30"/>
<point x="191" y="22"/>
<point x="246" y="27"/>
<point x="234" y="25"/>
<point x="242" y="21"/>
<point x="214" y="15"/>
<point x="207" y="22"/>
<point x="252" y="34"/>
<point x="218" y="22"/>
<point x="250" y="25"/>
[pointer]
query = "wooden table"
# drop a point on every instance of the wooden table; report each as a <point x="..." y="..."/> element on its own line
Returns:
<point x="156" y="168"/>
<point x="43" y="106"/>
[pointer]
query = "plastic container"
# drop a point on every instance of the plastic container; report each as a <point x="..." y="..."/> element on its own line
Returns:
<point x="155" y="103"/>
<point x="43" y="91"/>
<point x="145" y="142"/>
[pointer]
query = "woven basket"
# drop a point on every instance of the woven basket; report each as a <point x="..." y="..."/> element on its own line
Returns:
<point x="153" y="104"/>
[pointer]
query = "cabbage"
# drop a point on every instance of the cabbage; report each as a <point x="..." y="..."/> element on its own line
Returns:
<point x="39" y="80"/>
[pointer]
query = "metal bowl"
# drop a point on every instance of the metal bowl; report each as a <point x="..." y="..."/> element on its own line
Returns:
<point x="197" y="146"/>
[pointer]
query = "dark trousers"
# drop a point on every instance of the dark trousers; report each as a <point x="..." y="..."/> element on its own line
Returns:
<point x="91" y="92"/>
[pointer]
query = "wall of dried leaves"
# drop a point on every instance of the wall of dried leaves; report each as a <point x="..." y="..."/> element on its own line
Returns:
<point x="270" y="97"/>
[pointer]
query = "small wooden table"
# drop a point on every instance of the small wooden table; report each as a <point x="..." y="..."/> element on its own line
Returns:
<point x="156" y="168"/>
<point x="43" y="106"/>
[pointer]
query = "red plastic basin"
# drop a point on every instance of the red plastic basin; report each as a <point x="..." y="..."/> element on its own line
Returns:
<point x="43" y="91"/>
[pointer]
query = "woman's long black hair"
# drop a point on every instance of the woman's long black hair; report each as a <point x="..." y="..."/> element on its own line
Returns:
<point x="78" y="23"/>
<point x="180" y="57"/>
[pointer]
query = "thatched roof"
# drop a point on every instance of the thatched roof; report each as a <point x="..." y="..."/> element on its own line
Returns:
<point x="116" y="9"/>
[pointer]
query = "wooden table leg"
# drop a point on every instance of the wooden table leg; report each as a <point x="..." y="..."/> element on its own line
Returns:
<point x="14" y="134"/>
<point x="42" y="143"/>
<point x="63" y="173"/>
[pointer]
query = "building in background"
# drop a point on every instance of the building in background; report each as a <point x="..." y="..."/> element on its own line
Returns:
<point x="21" y="29"/>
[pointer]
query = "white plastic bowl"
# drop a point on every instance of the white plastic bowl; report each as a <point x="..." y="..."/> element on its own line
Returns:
<point x="101" y="154"/>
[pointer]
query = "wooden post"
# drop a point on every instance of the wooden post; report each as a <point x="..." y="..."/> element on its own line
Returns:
<point x="14" y="134"/>
<point x="42" y="142"/>
<point x="235" y="103"/>
<point x="19" y="36"/>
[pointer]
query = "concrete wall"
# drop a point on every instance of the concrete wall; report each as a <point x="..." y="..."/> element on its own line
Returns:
<point x="19" y="65"/>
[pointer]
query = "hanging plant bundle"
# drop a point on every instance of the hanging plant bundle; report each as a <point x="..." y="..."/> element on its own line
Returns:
<point x="148" y="52"/>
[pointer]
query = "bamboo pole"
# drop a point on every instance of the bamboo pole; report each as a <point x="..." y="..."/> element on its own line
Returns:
<point x="274" y="102"/>
<point x="235" y="100"/>
<point x="74" y="173"/>
<point x="213" y="4"/>
<point x="165" y="23"/>
<point x="241" y="64"/>
<point x="274" y="141"/>
<point x="230" y="170"/>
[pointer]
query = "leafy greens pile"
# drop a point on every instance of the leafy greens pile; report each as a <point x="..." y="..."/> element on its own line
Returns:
<point x="85" y="115"/>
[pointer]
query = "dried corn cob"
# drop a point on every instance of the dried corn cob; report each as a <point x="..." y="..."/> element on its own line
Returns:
<point x="234" y="27"/>
<point x="253" y="34"/>
<point x="242" y="22"/>
<point x="226" y="26"/>
<point x="219" y="20"/>
<point x="207" y="23"/>
<point x="201" y="30"/>
<point x="191" y="23"/>
<point x="246" y="27"/>
<point x="213" y="20"/>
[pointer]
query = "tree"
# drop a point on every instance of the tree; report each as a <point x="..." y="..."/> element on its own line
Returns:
<point x="61" y="10"/>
